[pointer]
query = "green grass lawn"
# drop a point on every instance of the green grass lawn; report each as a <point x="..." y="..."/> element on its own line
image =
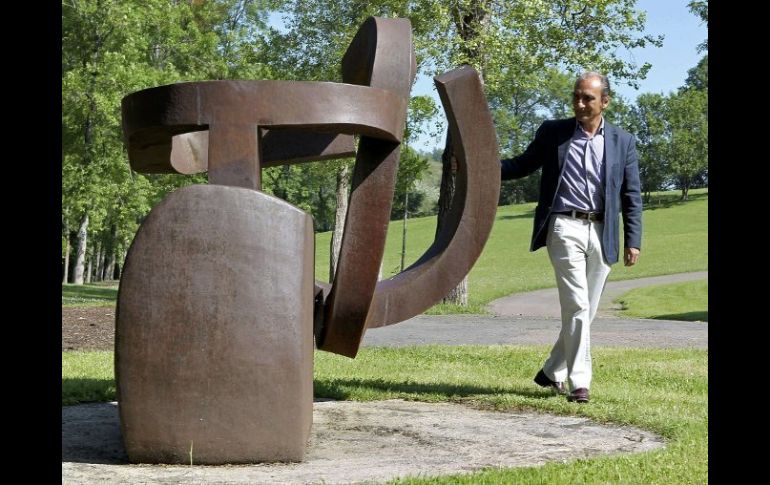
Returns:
<point x="87" y="376"/>
<point x="665" y="391"/>
<point x="675" y="240"/>
<point x="678" y="301"/>
<point x="89" y="295"/>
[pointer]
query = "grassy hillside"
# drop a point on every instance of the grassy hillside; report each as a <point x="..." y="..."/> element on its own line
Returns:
<point x="675" y="240"/>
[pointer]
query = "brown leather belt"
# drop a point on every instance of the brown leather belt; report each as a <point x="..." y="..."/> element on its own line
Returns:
<point x="589" y="216"/>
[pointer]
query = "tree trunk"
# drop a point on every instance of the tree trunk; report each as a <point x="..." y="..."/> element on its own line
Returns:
<point x="80" y="257"/>
<point x="97" y="254"/>
<point x="343" y="187"/>
<point x="88" y="143"/>
<point x="459" y="295"/>
<point x="66" y="257"/>
<point x="89" y="268"/>
<point x="403" y="232"/>
<point x="97" y="261"/>
<point x="322" y="210"/>
<point x="102" y="259"/>
<point x="468" y="22"/>
<point x="120" y="258"/>
<point x="109" y="269"/>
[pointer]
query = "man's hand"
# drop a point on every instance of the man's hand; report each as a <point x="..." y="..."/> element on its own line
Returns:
<point x="630" y="256"/>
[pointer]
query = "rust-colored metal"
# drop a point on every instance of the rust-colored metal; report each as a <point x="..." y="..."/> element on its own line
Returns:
<point x="465" y="231"/>
<point x="380" y="55"/>
<point x="214" y="360"/>
<point x="469" y="222"/>
<point x="217" y="306"/>
<point x="236" y="110"/>
<point x="189" y="151"/>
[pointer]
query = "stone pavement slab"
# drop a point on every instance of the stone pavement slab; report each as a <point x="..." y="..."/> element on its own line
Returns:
<point x="354" y="442"/>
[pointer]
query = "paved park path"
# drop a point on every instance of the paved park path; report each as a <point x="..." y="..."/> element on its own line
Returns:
<point x="533" y="319"/>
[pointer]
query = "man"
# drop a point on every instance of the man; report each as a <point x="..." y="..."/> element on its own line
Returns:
<point x="590" y="174"/>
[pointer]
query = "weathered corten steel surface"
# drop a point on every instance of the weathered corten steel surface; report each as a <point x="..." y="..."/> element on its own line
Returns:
<point x="465" y="230"/>
<point x="380" y="55"/>
<point x="469" y="222"/>
<point x="214" y="360"/>
<point x="217" y="308"/>
<point x="234" y="111"/>
<point x="190" y="151"/>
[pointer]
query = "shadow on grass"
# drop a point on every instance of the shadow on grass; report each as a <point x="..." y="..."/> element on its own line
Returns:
<point x="77" y="390"/>
<point x="687" y="317"/>
<point x="664" y="201"/>
<point x="344" y="389"/>
<point x="526" y="215"/>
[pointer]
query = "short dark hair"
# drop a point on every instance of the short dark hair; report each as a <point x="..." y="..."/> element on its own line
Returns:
<point x="591" y="74"/>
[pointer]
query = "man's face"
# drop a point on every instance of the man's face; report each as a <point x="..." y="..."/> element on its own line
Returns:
<point x="587" y="100"/>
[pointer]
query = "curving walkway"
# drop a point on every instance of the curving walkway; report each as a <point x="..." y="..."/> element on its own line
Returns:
<point x="533" y="319"/>
<point x="545" y="303"/>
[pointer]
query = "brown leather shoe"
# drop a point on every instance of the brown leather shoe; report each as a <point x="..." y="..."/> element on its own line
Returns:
<point x="578" y="395"/>
<point x="542" y="380"/>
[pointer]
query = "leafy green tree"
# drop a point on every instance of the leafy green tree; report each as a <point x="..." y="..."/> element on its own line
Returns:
<point x="651" y="129"/>
<point x="688" y="120"/>
<point x="698" y="76"/>
<point x="688" y="147"/>
<point x="111" y="48"/>
<point x="701" y="9"/>
<point x="517" y="115"/>
<point x="92" y="72"/>
<point x="406" y="200"/>
<point x="411" y="167"/>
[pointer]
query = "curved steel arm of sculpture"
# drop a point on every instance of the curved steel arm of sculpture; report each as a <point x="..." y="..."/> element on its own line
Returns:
<point x="190" y="151"/>
<point x="153" y="117"/>
<point x="470" y="219"/>
<point x="465" y="230"/>
<point x="381" y="55"/>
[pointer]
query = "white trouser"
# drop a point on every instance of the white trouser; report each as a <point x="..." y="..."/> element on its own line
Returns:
<point x="575" y="249"/>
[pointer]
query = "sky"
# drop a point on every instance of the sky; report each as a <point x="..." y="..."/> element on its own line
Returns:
<point x="683" y="32"/>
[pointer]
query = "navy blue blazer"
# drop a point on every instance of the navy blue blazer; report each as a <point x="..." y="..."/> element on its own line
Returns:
<point x="622" y="186"/>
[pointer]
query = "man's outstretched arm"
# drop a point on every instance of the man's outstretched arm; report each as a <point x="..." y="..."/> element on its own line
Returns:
<point x="527" y="162"/>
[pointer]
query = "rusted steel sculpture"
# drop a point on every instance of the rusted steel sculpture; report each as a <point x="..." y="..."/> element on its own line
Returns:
<point x="217" y="307"/>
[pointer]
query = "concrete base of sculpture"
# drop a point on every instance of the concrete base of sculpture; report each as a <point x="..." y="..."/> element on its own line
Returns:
<point x="214" y="335"/>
